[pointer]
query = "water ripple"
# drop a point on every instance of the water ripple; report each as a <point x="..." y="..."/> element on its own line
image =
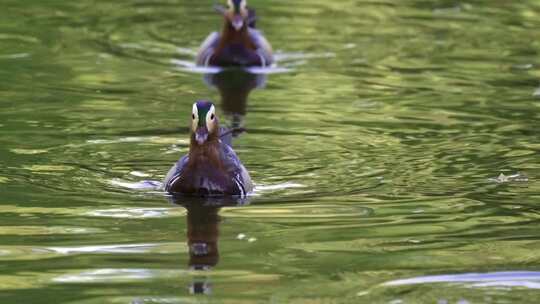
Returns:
<point x="155" y="248"/>
<point x="44" y="230"/>
<point x="145" y="185"/>
<point x="105" y="275"/>
<point x="527" y="279"/>
<point x="518" y="177"/>
<point x="138" y="213"/>
<point x="133" y="248"/>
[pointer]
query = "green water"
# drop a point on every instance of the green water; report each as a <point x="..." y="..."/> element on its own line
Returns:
<point x="376" y="155"/>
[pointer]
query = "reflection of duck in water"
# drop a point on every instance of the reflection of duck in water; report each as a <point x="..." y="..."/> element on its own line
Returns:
<point x="234" y="87"/>
<point x="211" y="166"/>
<point x="203" y="234"/>
<point x="203" y="222"/>
<point x="202" y="240"/>
<point x="239" y="43"/>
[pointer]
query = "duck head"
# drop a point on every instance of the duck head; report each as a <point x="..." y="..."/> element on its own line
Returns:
<point x="204" y="123"/>
<point x="236" y="14"/>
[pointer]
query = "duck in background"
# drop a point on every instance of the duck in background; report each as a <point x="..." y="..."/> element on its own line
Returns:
<point x="239" y="43"/>
<point x="211" y="168"/>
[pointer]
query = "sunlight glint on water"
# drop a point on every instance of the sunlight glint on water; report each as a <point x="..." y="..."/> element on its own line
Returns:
<point x="394" y="149"/>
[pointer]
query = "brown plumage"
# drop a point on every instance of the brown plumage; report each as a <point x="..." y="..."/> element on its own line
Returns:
<point x="231" y="36"/>
<point x="239" y="43"/>
<point x="211" y="166"/>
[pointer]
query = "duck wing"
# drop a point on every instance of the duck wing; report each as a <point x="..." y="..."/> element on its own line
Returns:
<point x="236" y="170"/>
<point x="226" y="135"/>
<point x="252" y="18"/>
<point x="203" y="179"/>
<point x="174" y="173"/>
<point x="234" y="179"/>
<point x="207" y="49"/>
<point x="263" y="47"/>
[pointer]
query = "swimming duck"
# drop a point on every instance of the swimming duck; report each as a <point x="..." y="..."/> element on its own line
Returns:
<point x="211" y="167"/>
<point x="239" y="43"/>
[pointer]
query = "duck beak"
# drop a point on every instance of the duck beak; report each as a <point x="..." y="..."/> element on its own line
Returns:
<point x="201" y="135"/>
<point x="237" y="22"/>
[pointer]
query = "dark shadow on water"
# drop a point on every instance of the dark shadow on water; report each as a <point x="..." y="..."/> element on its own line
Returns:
<point x="234" y="86"/>
<point x="202" y="238"/>
<point x="203" y="222"/>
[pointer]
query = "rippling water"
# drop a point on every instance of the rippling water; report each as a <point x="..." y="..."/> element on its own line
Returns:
<point x="395" y="151"/>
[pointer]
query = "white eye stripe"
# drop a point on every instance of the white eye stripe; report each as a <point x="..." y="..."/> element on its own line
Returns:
<point x="210" y="116"/>
<point x="195" y="117"/>
<point x="195" y="111"/>
<point x="211" y="122"/>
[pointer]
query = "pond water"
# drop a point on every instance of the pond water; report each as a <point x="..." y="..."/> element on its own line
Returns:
<point x="395" y="152"/>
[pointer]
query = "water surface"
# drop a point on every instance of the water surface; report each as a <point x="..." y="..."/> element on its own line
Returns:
<point x="377" y="152"/>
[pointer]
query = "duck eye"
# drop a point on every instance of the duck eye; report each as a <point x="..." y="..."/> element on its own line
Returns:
<point x="212" y="116"/>
<point x="193" y="116"/>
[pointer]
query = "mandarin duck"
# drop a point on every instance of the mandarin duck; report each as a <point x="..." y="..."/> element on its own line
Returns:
<point x="239" y="43"/>
<point x="211" y="168"/>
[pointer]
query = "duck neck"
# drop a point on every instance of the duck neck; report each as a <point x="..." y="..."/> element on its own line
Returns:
<point x="208" y="152"/>
<point x="231" y="36"/>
